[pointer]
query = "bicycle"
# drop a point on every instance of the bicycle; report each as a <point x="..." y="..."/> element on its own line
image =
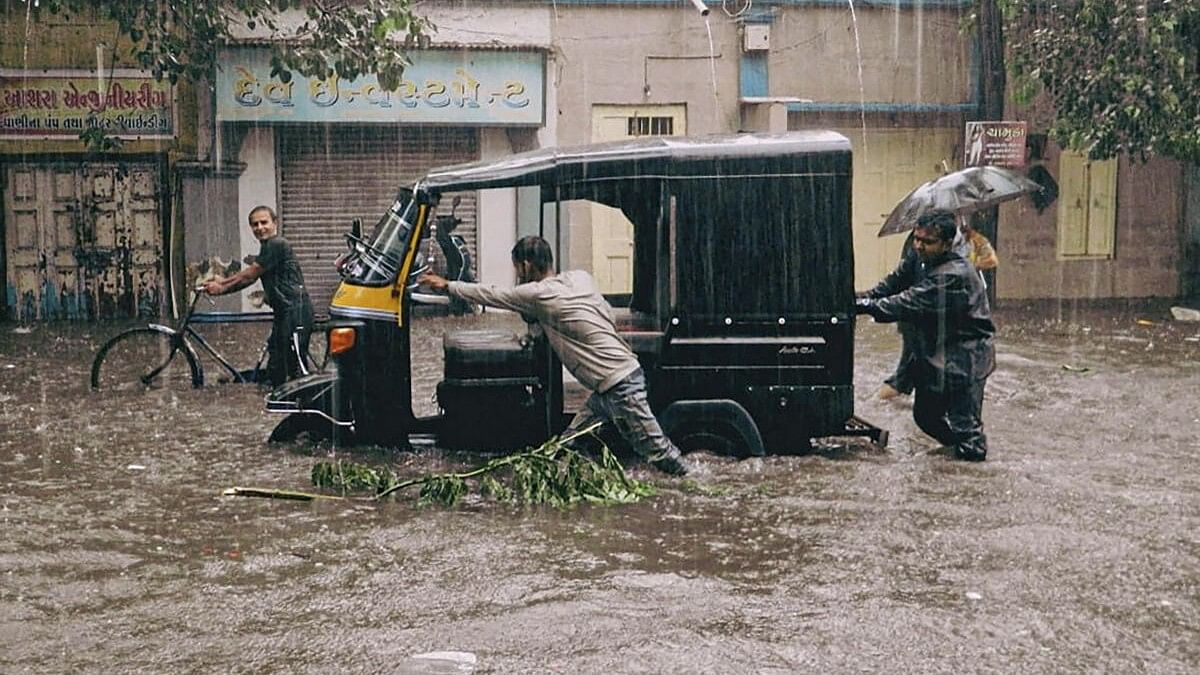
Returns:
<point x="157" y="356"/>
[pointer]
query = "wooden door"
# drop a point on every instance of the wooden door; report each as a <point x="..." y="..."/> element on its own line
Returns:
<point x="889" y="166"/>
<point x="83" y="241"/>
<point x="612" y="233"/>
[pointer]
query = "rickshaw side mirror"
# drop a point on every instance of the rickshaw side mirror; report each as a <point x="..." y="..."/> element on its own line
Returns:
<point x="356" y="228"/>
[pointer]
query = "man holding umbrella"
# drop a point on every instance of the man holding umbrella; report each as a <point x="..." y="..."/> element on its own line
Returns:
<point x="953" y="352"/>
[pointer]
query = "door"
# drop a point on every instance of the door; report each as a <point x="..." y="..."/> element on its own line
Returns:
<point x="83" y="241"/>
<point x="612" y="233"/>
<point x="892" y="163"/>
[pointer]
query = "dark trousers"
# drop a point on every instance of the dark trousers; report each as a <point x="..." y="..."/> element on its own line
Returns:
<point x="902" y="380"/>
<point x="954" y="417"/>
<point x="288" y="343"/>
<point x="626" y="407"/>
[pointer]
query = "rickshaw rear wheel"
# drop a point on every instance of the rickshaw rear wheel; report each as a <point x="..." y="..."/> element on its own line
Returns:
<point x="717" y="441"/>
<point x="721" y="426"/>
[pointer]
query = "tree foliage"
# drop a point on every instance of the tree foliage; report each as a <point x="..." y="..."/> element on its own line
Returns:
<point x="316" y="38"/>
<point x="1122" y="75"/>
<point x="553" y="474"/>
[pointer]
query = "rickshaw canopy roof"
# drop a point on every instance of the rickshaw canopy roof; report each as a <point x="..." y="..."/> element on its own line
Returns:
<point x="646" y="157"/>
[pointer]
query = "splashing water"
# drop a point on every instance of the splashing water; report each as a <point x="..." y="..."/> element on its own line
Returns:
<point x="712" y="64"/>
<point x="862" y="91"/>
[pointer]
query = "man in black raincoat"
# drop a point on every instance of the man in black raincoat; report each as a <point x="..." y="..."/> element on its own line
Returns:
<point x="953" y="353"/>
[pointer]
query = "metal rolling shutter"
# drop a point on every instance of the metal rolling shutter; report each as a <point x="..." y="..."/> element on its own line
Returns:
<point x="332" y="174"/>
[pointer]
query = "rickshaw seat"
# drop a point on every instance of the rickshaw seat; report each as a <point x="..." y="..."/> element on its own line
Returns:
<point x="473" y="354"/>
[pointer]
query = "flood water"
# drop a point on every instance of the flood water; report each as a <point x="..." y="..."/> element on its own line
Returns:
<point x="1075" y="547"/>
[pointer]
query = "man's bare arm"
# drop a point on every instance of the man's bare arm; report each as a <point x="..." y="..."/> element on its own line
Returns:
<point x="240" y="279"/>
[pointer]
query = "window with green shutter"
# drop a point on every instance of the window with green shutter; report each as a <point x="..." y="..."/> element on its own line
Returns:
<point x="1087" y="207"/>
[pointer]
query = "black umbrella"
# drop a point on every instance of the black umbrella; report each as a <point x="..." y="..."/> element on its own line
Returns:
<point x="964" y="191"/>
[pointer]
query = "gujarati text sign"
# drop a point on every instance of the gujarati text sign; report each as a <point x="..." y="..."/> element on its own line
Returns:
<point x="58" y="104"/>
<point x="441" y="86"/>
<point x="995" y="144"/>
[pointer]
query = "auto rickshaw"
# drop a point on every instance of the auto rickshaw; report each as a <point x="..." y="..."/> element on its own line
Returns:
<point x="741" y="309"/>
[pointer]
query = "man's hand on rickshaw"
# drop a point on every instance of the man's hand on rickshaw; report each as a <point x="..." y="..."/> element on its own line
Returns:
<point x="433" y="281"/>
<point x="211" y="287"/>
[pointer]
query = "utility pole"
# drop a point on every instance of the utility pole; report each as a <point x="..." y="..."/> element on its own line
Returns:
<point x="992" y="86"/>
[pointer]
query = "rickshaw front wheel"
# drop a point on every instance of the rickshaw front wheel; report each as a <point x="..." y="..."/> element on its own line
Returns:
<point x="314" y="427"/>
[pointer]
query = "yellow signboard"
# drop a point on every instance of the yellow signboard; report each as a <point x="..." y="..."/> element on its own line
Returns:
<point x="52" y="104"/>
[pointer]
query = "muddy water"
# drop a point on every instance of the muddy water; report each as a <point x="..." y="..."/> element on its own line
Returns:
<point x="1075" y="547"/>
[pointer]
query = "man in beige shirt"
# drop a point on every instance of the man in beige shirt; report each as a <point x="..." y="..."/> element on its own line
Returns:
<point x="578" y="322"/>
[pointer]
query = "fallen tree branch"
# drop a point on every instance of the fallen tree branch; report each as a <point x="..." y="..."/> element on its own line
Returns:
<point x="270" y="493"/>
<point x="552" y="473"/>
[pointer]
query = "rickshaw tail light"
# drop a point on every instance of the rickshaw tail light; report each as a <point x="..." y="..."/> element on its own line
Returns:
<point x="341" y="340"/>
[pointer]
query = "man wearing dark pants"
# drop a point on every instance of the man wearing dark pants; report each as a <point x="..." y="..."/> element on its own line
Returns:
<point x="578" y="322"/>
<point x="283" y="282"/>
<point x="953" y="352"/>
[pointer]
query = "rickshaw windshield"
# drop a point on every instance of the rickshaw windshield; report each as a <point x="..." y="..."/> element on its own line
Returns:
<point x="378" y="258"/>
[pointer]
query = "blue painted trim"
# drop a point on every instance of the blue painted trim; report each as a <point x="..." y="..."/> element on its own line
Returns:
<point x="755" y="78"/>
<point x="879" y="107"/>
<point x="51" y="308"/>
<point x="715" y="5"/>
<point x="764" y="15"/>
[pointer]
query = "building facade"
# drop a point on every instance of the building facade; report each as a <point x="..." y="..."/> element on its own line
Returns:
<point x="84" y="232"/>
<point x="899" y="79"/>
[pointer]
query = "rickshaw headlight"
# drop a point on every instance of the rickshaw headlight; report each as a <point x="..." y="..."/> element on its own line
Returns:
<point x="341" y="340"/>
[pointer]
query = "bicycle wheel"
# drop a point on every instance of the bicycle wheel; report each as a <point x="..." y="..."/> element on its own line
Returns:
<point x="145" y="359"/>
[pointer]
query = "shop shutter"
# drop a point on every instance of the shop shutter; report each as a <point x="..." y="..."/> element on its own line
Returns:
<point x="332" y="174"/>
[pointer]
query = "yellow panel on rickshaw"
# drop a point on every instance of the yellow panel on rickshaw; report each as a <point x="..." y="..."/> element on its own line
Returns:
<point x="367" y="301"/>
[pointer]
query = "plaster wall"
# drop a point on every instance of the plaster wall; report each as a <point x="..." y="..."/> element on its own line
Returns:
<point x="648" y="55"/>
<point x="1147" y="250"/>
<point x="497" y="218"/>
<point x="909" y="55"/>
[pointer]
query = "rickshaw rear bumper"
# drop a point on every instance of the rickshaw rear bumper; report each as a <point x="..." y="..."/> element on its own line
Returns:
<point x="316" y="394"/>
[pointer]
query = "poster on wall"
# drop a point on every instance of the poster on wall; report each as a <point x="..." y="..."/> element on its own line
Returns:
<point x="465" y="87"/>
<point x="62" y="104"/>
<point x="995" y="144"/>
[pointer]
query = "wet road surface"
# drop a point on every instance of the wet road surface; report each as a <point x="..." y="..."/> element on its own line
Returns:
<point x="1075" y="547"/>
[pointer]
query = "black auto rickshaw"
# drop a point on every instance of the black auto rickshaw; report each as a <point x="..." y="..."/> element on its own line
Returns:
<point x="741" y="308"/>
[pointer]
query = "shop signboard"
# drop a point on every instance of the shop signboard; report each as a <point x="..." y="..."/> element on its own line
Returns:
<point x="61" y="104"/>
<point x="995" y="144"/>
<point x="453" y="87"/>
